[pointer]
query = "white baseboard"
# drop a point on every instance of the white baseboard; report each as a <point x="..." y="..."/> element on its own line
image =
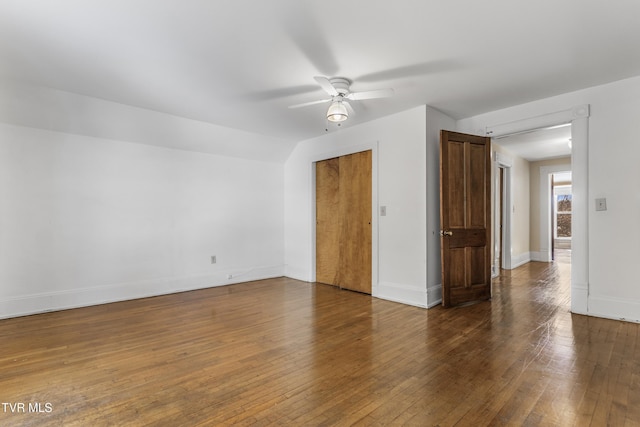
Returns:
<point x="521" y="259"/>
<point x="405" y="294"/>
<point x="540" y="256"/>
<point x="62" y="300"/>
<point x="516" y="261"/>
<point x="434" y="295"/>
<point x="297" y="273"/>
<point x="580" y="298"/>
<point x="614" y="308"/>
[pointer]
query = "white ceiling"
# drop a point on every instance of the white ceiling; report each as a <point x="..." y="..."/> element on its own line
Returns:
<point x="540" y="144"/>
<point x="562" y="177"/>
<point x="240" y="63"/>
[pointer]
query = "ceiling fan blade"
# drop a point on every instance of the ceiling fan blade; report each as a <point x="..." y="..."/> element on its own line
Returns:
<point x="307" y="31"/>
<point x="421" y="69"/>
<point x="306" y="104"/>
<point x="270" y="94"/>
<point x="326" y="85"/>
<point x="372" y="94"/>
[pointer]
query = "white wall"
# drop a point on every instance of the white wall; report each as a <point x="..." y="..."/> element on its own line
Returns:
<point x="613" y="152"/>
<point x="436" y="121"/>
<point x="540" y="227"/>
<point x="400" y="184"/>
<point x="88" y="220"/>
<point x="520" y="206"/>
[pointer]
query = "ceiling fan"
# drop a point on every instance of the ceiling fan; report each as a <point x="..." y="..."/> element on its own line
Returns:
<point x="338" y="89"/>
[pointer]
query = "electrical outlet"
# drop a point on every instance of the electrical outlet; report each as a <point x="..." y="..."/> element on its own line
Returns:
<point x="229" y="276"/>
<point x="601" y="204"/>
<point x="213" y="259"/>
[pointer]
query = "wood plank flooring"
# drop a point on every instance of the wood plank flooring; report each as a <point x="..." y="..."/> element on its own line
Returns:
<point x="283" y="352"/>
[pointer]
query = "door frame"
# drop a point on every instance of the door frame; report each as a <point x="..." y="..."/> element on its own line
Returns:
<point x="505" y="163"/>
<point x="373" y="147"/>
<point x="578" y="116"/>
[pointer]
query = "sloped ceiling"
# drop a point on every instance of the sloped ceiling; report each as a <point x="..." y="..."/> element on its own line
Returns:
<point x="240" y="63"/>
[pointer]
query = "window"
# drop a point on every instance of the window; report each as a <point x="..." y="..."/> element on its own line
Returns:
<point x="562" y="218"/>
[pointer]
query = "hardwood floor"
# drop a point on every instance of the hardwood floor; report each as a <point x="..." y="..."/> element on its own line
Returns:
<point x="284" y="352"/>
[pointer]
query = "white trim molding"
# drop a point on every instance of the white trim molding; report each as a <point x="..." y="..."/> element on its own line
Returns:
<point x="405" y="294"/>
<point x="434" y="295"/>
<point x="520" y="259"/>
<point x="614" y="308"/>
<point x="578" y="116"/>
<point x="540" y="256"/>
<point x="539" y="122"/>
<point x="579" y="298"/>
<point x="502" y="161"/>
<point x="75" y="298"/>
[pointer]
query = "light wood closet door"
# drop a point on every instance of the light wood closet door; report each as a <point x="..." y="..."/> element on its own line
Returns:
<point x="343" y="222"/>
<point x="327" y="225"/>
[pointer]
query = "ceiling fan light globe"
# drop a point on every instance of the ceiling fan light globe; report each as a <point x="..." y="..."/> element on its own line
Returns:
<point x="337" y="112"/>
<point x="337" y="118"/>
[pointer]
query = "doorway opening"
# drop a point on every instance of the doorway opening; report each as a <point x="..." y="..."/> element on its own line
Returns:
<point x="577" y="120"/>
<point x="561" y="216"/>
<point x="502" y="213"/>
<point x="531" y="168"/>
<point x="552" y="178"/>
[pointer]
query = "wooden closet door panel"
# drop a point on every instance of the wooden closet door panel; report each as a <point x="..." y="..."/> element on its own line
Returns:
<point x="465" y="217"/>
<point x="327" y="221"/>
<point x="355" y="227"/>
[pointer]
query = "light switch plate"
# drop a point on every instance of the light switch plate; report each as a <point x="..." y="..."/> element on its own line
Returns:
<point x="383" y="211"/>
<point x="601" y="204"/>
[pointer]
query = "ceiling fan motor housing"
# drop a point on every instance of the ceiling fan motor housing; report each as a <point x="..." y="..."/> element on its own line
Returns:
<point x="341" y="84"/>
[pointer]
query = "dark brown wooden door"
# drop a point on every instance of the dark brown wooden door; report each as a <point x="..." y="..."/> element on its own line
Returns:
<point x="343" y="222"/>
<point x="465" y="217"/>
